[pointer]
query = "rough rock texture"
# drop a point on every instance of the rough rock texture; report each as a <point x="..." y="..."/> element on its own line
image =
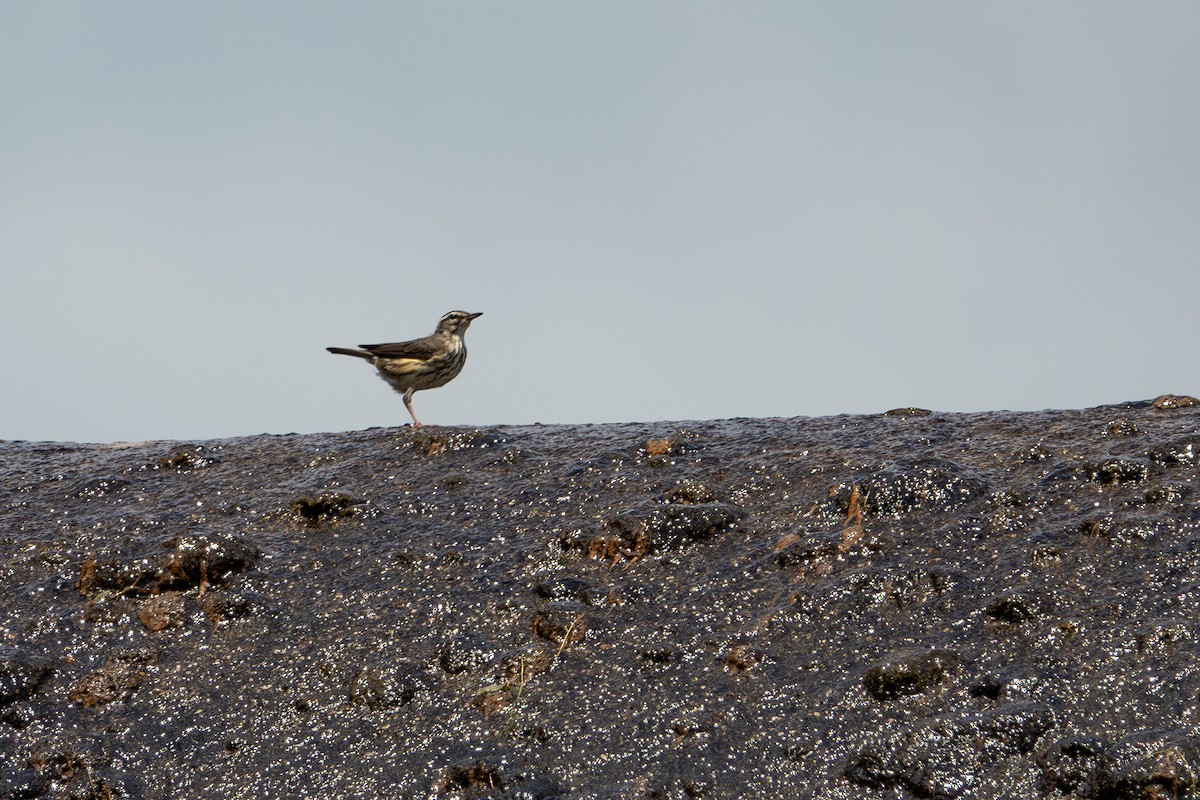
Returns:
<point x="911" y="604"/>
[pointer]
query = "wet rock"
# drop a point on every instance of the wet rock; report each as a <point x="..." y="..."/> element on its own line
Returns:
<point x="989" y="685"/>
<point x="903" y="487"/>
<point x="388" y="686"/>
<point x="80" y="769"/>
<point x="325" y="506"/>
<point x="20" y="674"/>
<point x="653" y="659"/>
<point x="743" y="658"/>
<point x="689" y="493"/>
<point x="121" y="574"/>
<point x="18" y="716"/>
<point x="1069" y="764"/>
<point x="1149" y="765"/>
<point x="436" y="442"/>
<point x="1117" y="470"/>
<point x="453" y="481"/>
<point x="617" y="539"/>
<point x="529" y="785"/>
<point x="1127" y="529"/>
<point x="63" y="756"/>
<point x="1033" y="454"/>
<point x="99" y="487"/>
<point x="466" y="652"/>
<point x="472" y="775"/>
<point x="1099" y="525"/>
<point x="1172" y="494"/>
<point x="727" y="664"/>
<point x="1170" y="402"/>
<point x="1122" y="427"/>
<point x="116" y="680"/>
<point x="105" y="784"/>
<point x="518" y="666"/>
<point x="948" y="755"/>
<point x="515" y="669"/>
<point x="1166" y="635"/>
<point x="899" y="588"/>
<point x="1009" y="511"/>
<point x="185" y="562"/>
<point x="1181" y="451"/>
<point x="801" y="550"/>
<point x="680" y="525"/>
<point x="1012" y="608"/>
<point x="22" y="783"/>
<point x="204" y="558"/>
<point x="561" y="622"/>
<point x="564" y="588"/>
<point x="1017" y="727"/>
<point x="908" y="412"/>
<point x="1045" y="554"/>
<point x="163" y="611"/>
<point x="653" y="527"/>
<point x="909" y="672"/>
<point x="189" y="458"/>
<point x="224" y="605"/>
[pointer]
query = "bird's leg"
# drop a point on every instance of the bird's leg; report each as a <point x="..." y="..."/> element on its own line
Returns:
<point x="408" y="404"/>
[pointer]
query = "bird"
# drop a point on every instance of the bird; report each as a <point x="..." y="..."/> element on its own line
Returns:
<point x="424" y="363"/>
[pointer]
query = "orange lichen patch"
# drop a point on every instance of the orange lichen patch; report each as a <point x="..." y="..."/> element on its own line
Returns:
<point x="660" y="446"/>
<point x="856" y="506"/>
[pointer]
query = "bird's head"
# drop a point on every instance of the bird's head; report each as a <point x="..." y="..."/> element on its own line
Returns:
<point x="456" y="323"/>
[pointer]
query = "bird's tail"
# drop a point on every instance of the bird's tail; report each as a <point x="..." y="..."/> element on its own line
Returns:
<point x="347" y="351"/>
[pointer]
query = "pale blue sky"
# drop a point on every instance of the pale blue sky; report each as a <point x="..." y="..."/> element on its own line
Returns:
<point x="672" y="210"/>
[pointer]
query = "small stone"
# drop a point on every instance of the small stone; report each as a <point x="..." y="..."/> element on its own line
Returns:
<point x="1169" y="402"/>
<point x="162" y="611"/>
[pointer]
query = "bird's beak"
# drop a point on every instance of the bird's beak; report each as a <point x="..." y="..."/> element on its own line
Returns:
<point x="476" y="314"/>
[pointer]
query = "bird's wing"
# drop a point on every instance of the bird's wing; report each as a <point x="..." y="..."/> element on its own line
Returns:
<point x="417" y="348"/>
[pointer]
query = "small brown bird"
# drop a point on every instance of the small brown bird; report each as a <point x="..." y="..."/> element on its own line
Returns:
<point x="422" y="363"/>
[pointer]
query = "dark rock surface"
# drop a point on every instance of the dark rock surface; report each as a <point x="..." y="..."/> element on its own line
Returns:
<point x="913" y="604"/>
